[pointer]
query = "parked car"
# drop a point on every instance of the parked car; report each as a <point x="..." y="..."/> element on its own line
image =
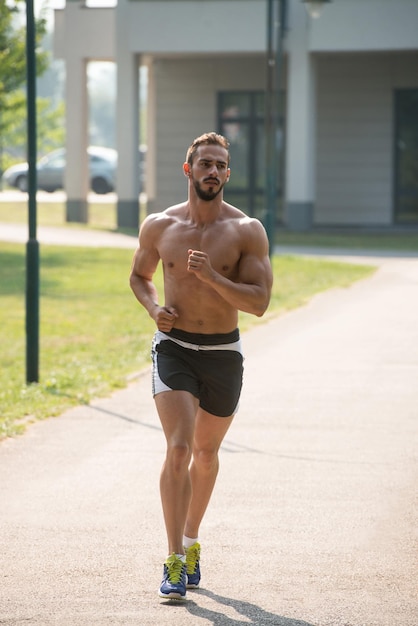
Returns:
<point x="51" y="168"/>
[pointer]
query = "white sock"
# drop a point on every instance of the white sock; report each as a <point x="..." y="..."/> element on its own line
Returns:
<point x="182" y="557"/>
<point x="188" y="541"/>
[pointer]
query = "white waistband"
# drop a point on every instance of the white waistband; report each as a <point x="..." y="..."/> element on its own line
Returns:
<point x="235" y="346"/>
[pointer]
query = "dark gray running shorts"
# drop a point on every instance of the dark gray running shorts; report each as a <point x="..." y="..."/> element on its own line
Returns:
<point x="208" y="366"/>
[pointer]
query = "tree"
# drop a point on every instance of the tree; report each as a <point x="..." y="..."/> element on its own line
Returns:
<point x="50" y="129"/>
<point x="13" y="70"/>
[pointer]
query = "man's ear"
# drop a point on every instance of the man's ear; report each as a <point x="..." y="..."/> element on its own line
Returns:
<point x="186" y="169"/>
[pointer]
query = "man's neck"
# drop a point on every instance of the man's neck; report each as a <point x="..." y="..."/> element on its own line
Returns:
<point x="204" y="212"/>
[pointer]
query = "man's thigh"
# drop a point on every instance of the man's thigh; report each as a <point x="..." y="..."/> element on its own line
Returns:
<point x="177" y="412"/>
<point x="210" y="430"/>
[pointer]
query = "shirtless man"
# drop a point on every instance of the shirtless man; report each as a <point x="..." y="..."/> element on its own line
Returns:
<point x="216" y="263"/>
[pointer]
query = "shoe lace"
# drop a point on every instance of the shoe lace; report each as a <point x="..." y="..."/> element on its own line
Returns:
<point x="192" y="558"/>
<point x="174" y="568"/>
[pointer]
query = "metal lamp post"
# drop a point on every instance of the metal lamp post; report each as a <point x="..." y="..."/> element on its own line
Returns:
<point x="32" y="246"/>
<point x="276" y="16"/>
<point x="276" y="31"/>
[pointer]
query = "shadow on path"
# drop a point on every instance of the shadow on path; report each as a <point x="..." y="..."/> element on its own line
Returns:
<point x="126" y="418"/>
<point x="255" y="614"/>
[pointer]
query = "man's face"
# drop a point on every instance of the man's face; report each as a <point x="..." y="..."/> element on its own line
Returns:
<point x="209" y="171"/>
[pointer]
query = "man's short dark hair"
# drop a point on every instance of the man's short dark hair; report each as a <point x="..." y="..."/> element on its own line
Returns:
<point x="207" y="139"/>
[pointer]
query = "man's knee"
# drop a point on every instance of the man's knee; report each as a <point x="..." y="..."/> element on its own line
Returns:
<point x="178" y="456"/>
<point x="205" y="458"/>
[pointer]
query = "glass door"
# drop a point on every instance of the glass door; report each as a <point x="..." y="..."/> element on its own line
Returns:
<point x="406" y="156"/>
<point x="241" y="116"/>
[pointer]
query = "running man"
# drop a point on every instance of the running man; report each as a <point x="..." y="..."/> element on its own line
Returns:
<point x="216" y="263"/>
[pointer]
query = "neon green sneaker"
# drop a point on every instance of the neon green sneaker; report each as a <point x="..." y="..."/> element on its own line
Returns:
<point x="193" y="567"/>
<point x="173" y="585"/>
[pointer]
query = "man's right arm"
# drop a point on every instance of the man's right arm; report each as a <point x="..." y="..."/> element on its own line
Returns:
<point x="144" y="264"/>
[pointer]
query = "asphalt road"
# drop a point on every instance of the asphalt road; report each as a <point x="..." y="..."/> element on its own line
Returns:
<point x="314" y="518"/>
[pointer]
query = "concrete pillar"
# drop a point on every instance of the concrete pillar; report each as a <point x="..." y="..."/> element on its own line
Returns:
<point x="150" y="185"/>
<point x="77" y="168"/>
<point x="300" y="125"/>
<point x="127" y="123"/>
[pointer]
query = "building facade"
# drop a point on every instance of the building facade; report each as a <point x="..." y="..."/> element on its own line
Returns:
<point x="348" y="138"/>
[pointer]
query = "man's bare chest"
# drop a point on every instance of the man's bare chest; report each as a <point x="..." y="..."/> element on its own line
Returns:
<point x="221" y="246"/>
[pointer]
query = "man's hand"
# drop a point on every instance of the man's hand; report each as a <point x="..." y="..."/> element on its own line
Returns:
<point x="164" y="317"/>
<point x="199" y="264"/>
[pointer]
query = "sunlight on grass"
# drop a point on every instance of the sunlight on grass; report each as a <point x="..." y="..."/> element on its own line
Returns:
<point x="100" y="214"/>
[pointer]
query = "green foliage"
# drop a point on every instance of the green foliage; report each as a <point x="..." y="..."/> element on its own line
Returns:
<point x="12" y="93"/>
<point x="13" y="52"/>
<point x="50" y="128"/>
<point x="93" y="333"/>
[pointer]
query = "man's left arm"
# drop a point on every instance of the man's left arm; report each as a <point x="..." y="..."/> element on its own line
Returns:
<point x="251" y="291"/>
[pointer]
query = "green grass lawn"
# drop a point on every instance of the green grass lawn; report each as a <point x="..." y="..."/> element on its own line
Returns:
<point x="100" y="215"/>
<point x="93" y="333"/>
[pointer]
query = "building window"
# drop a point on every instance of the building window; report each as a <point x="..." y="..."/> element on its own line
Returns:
<point x="406" y="156"/>
<point x="241" y="117"/>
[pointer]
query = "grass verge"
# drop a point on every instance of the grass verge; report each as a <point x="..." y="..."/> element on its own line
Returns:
<point x="101" y="215"/>
<point x="93" y="334"/>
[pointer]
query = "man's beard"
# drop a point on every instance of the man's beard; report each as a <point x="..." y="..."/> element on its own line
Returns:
<point x="209" y="195"/>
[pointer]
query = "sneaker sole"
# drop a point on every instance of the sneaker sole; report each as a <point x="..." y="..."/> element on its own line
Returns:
<point x="193" y="586"/>
<point x="172" y="597"/>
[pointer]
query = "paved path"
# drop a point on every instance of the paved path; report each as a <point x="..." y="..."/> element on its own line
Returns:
<point x="314" y="518"/>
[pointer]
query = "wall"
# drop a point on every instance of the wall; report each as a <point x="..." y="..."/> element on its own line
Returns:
<point x="354" y="25"/>
<point x="161" y="26"/>
<point x="355" y="135"/>
<point x="84" y="33"/>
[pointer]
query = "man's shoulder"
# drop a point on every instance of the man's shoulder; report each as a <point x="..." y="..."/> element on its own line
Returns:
<point x="175" y="209"/>
<point x="162" y="219"/>
<point x="249" y="230"/>
<point x="241" y="219"/>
